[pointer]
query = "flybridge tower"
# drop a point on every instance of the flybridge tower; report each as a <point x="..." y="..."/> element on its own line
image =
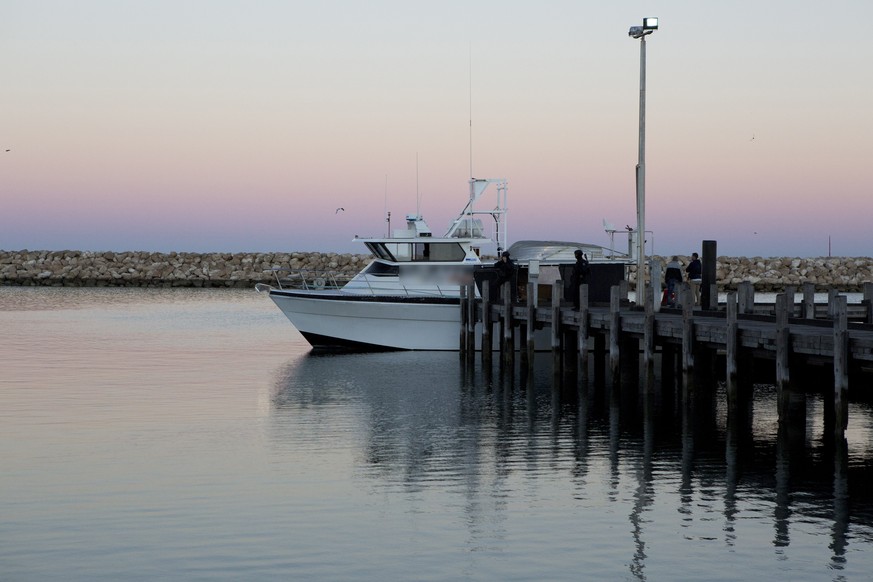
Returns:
<point x="467" y="224"/>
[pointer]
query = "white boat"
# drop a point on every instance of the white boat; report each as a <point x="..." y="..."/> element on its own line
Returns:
<point x="408" y="296"/>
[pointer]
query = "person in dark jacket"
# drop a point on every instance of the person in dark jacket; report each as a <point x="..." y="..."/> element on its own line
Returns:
<point x="580" y="275"/>
<point x="694" y="270"/>
<point x="672" y="279"/>
<point x="506" y="272"/>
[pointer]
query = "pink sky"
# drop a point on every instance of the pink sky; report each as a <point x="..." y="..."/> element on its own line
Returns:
<point x="230" y="126"/>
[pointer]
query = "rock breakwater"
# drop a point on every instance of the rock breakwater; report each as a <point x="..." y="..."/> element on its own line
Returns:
<point x="146" y="269"/>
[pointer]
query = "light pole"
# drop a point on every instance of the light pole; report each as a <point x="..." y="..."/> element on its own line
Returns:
<point x="650" y="25"/>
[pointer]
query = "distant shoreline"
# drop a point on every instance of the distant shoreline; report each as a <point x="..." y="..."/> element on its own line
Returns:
<point x="148" y="269"/>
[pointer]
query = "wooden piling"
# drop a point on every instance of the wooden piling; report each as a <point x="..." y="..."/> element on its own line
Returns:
<point x="841" y="363"/>
<point x="649" y="332"/>
<point x="745" y="297"/>
<point x="731" y="347"/>
<point x="582" y="331"/>
<point x="531" y="323"/>
<point x="832" y="298"/>
<point x="508" y="345"/>
<point x="462" y="339"/>
<point x="790" y="293"/>
<point x="687" y="300"/>
<point x="808" y="310"/>
<point x="486" y="322"/>
<point x="557" y="331"/>
<point x="783" y="347"/>
<point x="471" y="320"/>
<point x="868" y="301"/>
<point x="712" y="296"/>
<point x="614" y="330"/>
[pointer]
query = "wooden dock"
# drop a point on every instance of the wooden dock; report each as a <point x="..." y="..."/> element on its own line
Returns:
<point x="791" y="335"/>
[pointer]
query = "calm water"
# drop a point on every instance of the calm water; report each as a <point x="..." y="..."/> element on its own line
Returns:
<point x="189" y="434"/>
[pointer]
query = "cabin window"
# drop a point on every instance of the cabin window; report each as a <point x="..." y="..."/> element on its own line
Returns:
<point x="380" y="269"/>
<point x="402" y="252"/>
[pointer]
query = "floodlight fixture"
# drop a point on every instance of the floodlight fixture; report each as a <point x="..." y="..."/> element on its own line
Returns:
<point x="650" y="25"/>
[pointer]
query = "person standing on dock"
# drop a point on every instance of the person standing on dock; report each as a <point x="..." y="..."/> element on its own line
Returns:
<point x="581" y="272"/>
<point x="506" y="272"/>
<point x="672" y="280"/>
<point x="694" y="270"/>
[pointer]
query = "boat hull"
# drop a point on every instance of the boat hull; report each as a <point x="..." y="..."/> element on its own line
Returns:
<point x="332" y="320"/>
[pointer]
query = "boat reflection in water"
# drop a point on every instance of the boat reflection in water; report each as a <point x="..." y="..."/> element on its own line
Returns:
<point x="619" y="479"/>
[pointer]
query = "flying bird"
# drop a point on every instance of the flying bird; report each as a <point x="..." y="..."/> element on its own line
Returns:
<point x="338" y="209"/>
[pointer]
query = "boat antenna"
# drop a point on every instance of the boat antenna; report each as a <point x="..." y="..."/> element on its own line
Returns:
<point x="387" y="212"/>
<point x="471" y="108"/>
<point x="417" y="194"/>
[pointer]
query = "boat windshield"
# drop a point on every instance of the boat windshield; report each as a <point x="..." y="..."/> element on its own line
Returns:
<point x="425" y="252"/>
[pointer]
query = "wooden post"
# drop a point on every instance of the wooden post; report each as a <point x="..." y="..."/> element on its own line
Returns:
<point x="655" y="270"/>
<point x="731" y="348"/>
<point x="614" y="330"/>
<point x="868" y="301"/>
<point x="687" y="301"/>
<point x="841" y="363"/>
<point x="582" y="331"/>
<point x="531" y="323"/>
<point x="708" y="264"/>
<point x="462" y="340"/>
<point x="832" y="299"/>
<point x="790" y="292"/>
<point x="486" y="322"/>
<point x="508" y="346"/>
<point x="557" y="293"/>
<point x="623" y="286"/>
<point x="471" y="320"/>
<point x="745" y="297"/>
<point x="713" y="297"/>
<point x="783" y="349"/>
<point x="649" y="332"/>
<point x="808" y="300"/>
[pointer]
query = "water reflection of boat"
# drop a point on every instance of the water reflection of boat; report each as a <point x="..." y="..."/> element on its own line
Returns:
<point x="408" y="296"/>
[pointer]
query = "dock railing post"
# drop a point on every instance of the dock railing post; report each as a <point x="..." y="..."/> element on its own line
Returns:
<point x="808" y="300"/>
<point x="841" y="363"/>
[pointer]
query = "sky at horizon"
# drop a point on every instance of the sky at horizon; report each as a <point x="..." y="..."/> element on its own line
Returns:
<point x="233" y="126"/>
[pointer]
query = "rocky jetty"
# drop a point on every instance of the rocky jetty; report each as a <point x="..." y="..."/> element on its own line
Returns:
<point x="146" y="269"/>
